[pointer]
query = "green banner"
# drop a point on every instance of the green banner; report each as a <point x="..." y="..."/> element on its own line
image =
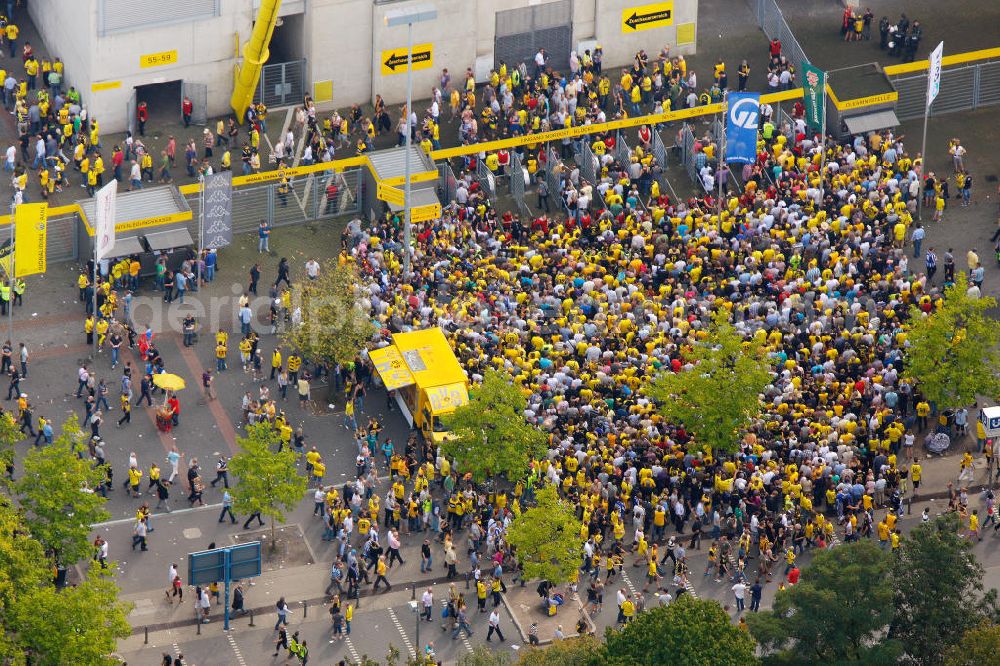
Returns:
<point x="814" y="96"/>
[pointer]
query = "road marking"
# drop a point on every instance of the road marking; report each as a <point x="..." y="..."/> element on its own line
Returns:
<point x="399" y="626"/>
<point x="628" y="582"/>
<point x="236" y="649"/>
<point x="352" y="649"/>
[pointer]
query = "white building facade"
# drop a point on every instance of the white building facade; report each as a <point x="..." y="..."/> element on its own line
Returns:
<point x="119" y="52"/>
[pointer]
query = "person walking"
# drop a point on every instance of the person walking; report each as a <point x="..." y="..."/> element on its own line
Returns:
<point x="427" y="601"/>
<point x="255" y="514"/>
<point x="380" y="571"/>
<point x="739" y="592"/>
<point x="227" y="507"/>
<point x="162" y="495"/>
<point x="494" y="626"/>
<point x="462" y="623"/>
<point x="283" y="612"/>
<point x="139" y="535"/>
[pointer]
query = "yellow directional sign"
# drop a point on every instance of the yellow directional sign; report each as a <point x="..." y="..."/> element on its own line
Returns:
<point x="390" y="194"/>
<point x="645" y="17"/>
<point x="394" y="60"/>
<point x="424" y="213"/>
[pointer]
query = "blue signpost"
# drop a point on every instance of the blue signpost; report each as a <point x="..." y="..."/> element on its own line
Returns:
<point x="225" y="564"/>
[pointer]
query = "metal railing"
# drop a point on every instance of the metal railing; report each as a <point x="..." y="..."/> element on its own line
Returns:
<point x="772" y="22"/>
<point x="660" y="153"/>
<point x="517" y="175"/>
<point x="486" y="179"/>
<point x="309" y="199"/>
<point x="962" y="89"/>
<point x="447" y="183"/>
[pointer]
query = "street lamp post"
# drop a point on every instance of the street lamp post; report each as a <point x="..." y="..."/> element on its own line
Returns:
<point x="398" y="17"/>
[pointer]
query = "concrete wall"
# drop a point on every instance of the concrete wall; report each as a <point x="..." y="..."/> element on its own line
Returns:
<point x="621" y="46"/>
<point x="338" y="46"/>
<point x="343" y="42"/>
<point x="205" y="54"/>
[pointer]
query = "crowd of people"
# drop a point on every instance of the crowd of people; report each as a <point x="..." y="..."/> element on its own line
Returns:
<point x="811" y="256"/>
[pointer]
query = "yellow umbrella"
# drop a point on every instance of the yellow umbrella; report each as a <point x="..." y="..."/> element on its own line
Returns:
<point x="169" y="382"/>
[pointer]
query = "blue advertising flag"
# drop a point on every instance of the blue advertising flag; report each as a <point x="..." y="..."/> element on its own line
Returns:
<point x="741" y="127"/>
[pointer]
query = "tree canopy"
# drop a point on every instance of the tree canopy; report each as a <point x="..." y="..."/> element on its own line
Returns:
<point x="954" y="352"/>
<point x="718" y="396"/>
<point x="58" y="498"/>
<point x="490" y="435"/>
<point x="696" y="632"/>
<point x="333" y="326"/>
<point x="937" y="589"/>
<point x="838" y="612"/>
<point x="268" y="481"/>
<point x="547" y="538"/>
<point x="578" y="651"/>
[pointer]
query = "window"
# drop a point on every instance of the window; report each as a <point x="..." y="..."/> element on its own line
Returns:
<point x="128" y="15"/>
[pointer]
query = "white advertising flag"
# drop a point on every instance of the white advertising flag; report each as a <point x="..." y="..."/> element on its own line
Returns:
<point x="934" y="74"/>
<point x="104" y="223"/>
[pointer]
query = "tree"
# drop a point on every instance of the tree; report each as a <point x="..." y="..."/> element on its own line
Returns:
<point x="838" y="612"/>
<point x="954" y="352"/>
<point x="937" y="589"/>
<point x="579" y="651"/>
<point x="688" y="631"/>
<point x="547" y="538"/>
<point x="57" y="495"/>
<point x="483" y="656"/>
<point x="719" y="394"/>
<point x="78" y="624"/>
<point x="490" y="435"/>
<point x="22" y="568"/>
<point x="269" y="482"/>
<point x="10" y="434"/>
<point x="979" y="646"/>
<point x="333" y="326"/>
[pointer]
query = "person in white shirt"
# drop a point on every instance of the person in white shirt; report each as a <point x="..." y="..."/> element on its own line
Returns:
<point x="312" y="269"/>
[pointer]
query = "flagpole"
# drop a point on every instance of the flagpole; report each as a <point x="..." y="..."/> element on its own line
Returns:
<point x="201" y="227"/>
<point x="923" y="164"/>
<point x="94" y="329"/>
<point x="10" y="277"/>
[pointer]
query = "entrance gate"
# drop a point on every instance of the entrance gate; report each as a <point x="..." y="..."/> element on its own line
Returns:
<point x="521" y="32"/>
<point x="281" y="84"/>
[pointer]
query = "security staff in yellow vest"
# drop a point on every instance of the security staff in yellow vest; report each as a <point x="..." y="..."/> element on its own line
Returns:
<point x="4" y="296"/>
<point x="19" y="287"/>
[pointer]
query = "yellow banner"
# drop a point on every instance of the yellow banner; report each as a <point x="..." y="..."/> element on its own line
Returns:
<point x="394" y="61"/>
<point x="157" y="221"/>
<point x="105" y="85"/>
<point x="30" y="227"/>
<point x="644" y="17"/>
<point x="861" y="102"/>
<point x="158" y="59"/>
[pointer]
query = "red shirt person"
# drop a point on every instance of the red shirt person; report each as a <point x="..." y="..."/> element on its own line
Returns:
<point x="175" y="409"/>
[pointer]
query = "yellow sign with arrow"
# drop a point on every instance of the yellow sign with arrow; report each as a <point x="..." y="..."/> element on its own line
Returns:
<point x="390" y="194"/>
<point x="646" y="17"/>
<point x="394" y="61"/>
<point x="424" y="213"/>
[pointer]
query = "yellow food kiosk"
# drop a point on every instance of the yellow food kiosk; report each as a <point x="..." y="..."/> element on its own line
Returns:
<point x="428" y="381"/>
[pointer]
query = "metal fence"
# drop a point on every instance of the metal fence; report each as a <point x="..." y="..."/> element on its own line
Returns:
<point x="447" y="183"/>
<point x="962" y="89"/>
<point x="521" y="32"/>
<point x="552" y="171"/>
<point x="772" y="22"/>
<point x="281" y="83"/>
<point x="517" y="175"/>
<point x="309" y="199"/>
<point x="486" y="179"/>
<point x="660" y="153"/>
<point x="587" y="162"/>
